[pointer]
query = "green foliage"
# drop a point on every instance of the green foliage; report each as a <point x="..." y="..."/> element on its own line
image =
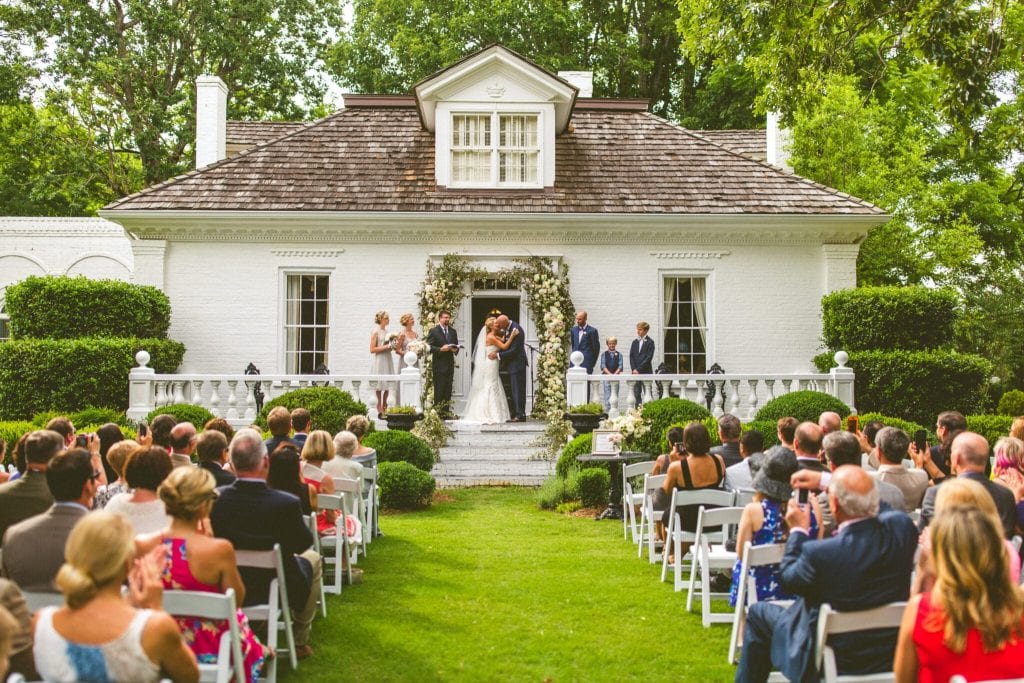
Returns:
<point x="433" y="430"/>
<point x="88" y="308"/>
<point x="11" y="432"/>
<point x="768" y="428"/>
<point x="329" y="407"/>
<point x="403" y="410"/>
<point x="184" y="412"/>
<point x="664" y="413"/>
<point x="86" y="416"/>
<point x="1012" y="403"/>
<point x="992" y="427"/>
<point x="568" y="507"/>
<point x="805" y="406"/>
<point x="403" y="486"/>
<point x="883" y="318"/>
<point x="591" y="486"/>
<point x="554" y="491"/>
<point x="580" y="445"/>
<point x="73" y="374"/>
<point x="917" y="385"/>
<point x="399" y="446"/>
<point x="587" y="409"/>
<point x="709" y="422"/>
<point x="908" y="426"/>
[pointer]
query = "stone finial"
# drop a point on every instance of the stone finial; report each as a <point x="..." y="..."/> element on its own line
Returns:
<point x="142" y="358"/>
<point x="841" y="358"/>
<point x="576" y="358"/>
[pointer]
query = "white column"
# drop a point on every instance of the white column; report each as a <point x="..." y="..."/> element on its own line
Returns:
<point x="840" y="266"/>
<point x="211" y="120"/>
<point x="149" y="262"/>
<point x="410" y="383"/>
<point x="140" y="388"/>
<point x="576" y="381"/>
<point x="843" y="379"/>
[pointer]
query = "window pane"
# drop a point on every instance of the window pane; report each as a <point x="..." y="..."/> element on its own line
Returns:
<point x="307" y="298"/>
<point x="518" y="149"/>
<point x="685" y="331"/>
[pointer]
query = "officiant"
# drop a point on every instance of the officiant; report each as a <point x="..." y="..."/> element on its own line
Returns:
<point x="444" y="344"/>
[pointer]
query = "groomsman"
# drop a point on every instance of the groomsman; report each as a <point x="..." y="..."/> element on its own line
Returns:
<point x="584" y="339"/>
<point x="641" y="355"/>
<point x="444" y="344"/>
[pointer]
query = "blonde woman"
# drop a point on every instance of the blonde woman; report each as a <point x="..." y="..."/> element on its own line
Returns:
<point x="1009" y="469"/>
<point x="97" y="634"/>
<point x="972" y="621"/>
<point x="319" y="448"/>
<point x="117" y="456"/>
<point x="407" y="335"/>
<point x="360" y="426"/>
<point x="1017" y="428"/>
<point x="382" y="363"/>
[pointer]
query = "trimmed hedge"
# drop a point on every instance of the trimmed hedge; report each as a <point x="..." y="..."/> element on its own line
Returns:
<point x="992" y="427"/>
<point x="805" y="406"/>
<point x="404" y="487"/>
<point x="88" y="308"/>
<point x="877" y="318"/>
<point x="580" y="445"/>
<point x="1011" y="403"/>
<point x="906" y="425"/>
<point x="591" y="485"/>
<point x="662" y="414"/>
<point x="769" y="430"/>
<point x="86" y="416"/>
<point x="73" y="374"/>
<point x="398" y="446"/>
<point x="329" y="407"/>
<point x="11" y="432"/>
<point x="917" y="385"/>
<point x="184" y="412"/>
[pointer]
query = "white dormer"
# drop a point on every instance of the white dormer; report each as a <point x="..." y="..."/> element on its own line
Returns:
<point x="495" y="116"/>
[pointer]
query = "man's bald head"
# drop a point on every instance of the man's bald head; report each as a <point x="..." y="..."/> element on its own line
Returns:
<point x="829" y="422"/>
<point x="854" y="492"/>
<point x="501" y="322"/>
<point x="969" y="452"/>
<point x="807" y="440"/>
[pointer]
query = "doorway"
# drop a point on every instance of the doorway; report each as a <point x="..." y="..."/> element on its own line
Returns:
<point x="484" y="306"/>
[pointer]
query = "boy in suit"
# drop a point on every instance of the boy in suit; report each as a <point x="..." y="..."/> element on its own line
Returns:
<point x="641" y="355"/>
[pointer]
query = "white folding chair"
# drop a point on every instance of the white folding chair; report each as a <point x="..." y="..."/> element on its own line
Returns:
<point x="648" y="516"/>
<point x="36" y="600"/>
<point x="831" y="622"/>
<point x="743" y="496"/>
<point x="215" y="607"/>
<point x="708" y="556"/>
<point x="353" y="501"/>
<point x="675" y="535"/>
<point x="371" y="503"/>
<point x="310" y="521"/>
<point x="631" y="500"/>
<point x="275" y="611"/>
<point x="335" y="548"/>
<point x="746" y="593"/>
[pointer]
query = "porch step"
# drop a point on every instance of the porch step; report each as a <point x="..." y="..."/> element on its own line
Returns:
<point x="492" y="455"/>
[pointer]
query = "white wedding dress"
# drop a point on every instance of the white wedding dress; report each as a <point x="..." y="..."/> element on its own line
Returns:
<point x="486" y="403"/>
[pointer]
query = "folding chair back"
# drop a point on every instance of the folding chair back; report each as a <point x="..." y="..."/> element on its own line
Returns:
<point x="743" y="497"/>
<point x="831" y="622"/>
<point x="310" y="521"/>
<point x="36" y="600"/>
<point x="215" y="607"/>
<point x="648" y="516"/>
<point x="746" y="593"/>
<point x="676" y="535"/>
<point x="371" y="503"/>
<point x="336" y="550"/>
<point x="631" y="500"/>
<point x="352" y="499"/>
<point x="275" y="611"/>
<point x="708" y="556"/>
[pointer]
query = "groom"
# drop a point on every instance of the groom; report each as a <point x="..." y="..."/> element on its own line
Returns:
<point x="513" y="360"/>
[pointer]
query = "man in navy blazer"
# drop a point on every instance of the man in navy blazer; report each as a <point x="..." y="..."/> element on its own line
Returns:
<point x="584" y="338"/>
<point x="865" y="565"/>
<point x="254" y="516"/>
<point x="641" y="357"/>
<point x="513" y="361"/>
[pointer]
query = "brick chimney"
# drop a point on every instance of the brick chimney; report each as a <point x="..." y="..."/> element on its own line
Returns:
<point x="584" y="80"/>
<point x="211" y="120"/>
<point x="778" y="140"/>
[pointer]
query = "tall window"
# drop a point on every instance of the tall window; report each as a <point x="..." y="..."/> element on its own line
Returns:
<point x="5" y="323"/>
<point x="686" y="324"/>
<point x="511" y="158"/>
<point x="306" y="324"/>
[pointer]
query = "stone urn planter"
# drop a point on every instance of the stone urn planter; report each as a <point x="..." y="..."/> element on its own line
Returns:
<point x="585" y="418"/>
<point x="402" y="421"/>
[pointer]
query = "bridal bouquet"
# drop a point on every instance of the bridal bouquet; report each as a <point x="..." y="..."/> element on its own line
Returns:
<point x="391" y="340"/>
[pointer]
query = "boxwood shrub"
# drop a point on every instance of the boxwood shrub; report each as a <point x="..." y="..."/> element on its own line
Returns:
<point x="184" y="412"/>
<point x="329" y="407"/>
<point x="908" y="426"/>
<point x="404" y="487"/>
<point x="663" y="413"/>
<point x="580" y="445"/>
<point x="399" y="446"/>
<point x="1011" y="403"/>
<point x="591" y="486"/>
<point x="805" y="406"/>
<point x="876" y="318"/>
<point x="992" y="427"/>
<point x="917" y="385"/>
<point x="11" y="432"/>
<point x="88" y="308"/>
<point x="769" y="431"/>
<point x="73" y="374"/>
<point x="86" y="416"/>
<point x="553" y="492"/>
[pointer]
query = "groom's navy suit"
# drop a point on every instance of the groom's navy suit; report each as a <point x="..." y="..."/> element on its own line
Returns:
<point x="513" y="361"/>
<point x="867" y="565"/>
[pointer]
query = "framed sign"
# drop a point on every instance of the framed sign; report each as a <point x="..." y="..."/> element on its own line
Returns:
<point x="603" y="444"/>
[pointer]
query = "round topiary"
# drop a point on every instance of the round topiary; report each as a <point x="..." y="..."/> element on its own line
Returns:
<point x="661" y="415"/>
<point x="404" y="487"/>
<point x="769" y="431"/>
<point x="184" y="412"/>
<point x="582" y="444"/>
<point x="591" y="485"/>
<point x="1011" y="403"/>
<point x="906" y="425"/>
<point x="11" y="432"/>
<point x="329" y="407"/>
<point x="992" y="427"/>
<point x="99" y="416"/>
<point x="399" y="446"/>
<point x="805" y="406"/>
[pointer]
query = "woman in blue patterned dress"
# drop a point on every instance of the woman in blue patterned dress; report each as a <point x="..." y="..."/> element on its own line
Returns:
<point x="764" y="522"/>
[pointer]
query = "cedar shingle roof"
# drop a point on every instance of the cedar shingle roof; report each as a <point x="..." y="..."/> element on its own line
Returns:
<point x="752" y="142"/>
<point x="376" y="156"/>
<point x="251" y="133"/>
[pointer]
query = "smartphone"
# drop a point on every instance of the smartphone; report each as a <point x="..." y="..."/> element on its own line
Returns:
<point x="801" y="496"/>
<point x="143" y="429"/>
<point x="852" y="424"/>
<point x="921" y="440"/>
<point x="82" y="441"/>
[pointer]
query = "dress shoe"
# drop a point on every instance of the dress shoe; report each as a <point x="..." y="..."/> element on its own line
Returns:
<point x="303" y="652"/>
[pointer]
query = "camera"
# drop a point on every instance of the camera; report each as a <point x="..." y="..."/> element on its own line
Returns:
<point x="82" y="440"/>
<point x="852" y="424"/>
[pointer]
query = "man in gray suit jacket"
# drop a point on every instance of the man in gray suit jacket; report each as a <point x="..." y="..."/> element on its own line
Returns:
<point x="34" y="548"/>
<point x="29" y="496"/>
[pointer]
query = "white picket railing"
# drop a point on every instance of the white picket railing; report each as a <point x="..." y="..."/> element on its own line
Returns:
<point x="744" y="394"/>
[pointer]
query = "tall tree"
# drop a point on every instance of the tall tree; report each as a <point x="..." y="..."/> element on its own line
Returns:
<point x="128" y="67"/>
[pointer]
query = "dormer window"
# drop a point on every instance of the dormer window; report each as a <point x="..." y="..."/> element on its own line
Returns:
<point x="479" y="158"/>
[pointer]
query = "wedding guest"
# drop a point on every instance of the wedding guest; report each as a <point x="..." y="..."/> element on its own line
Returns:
<point x="146" y="469"/>
<point x="360" y="426"/>
<point x="279" y="422"/>
<point x="948" y="426"/>
<point x="29" y="495"/>
<point x="18" y="456"/>
<point x="212" y="451"/>
<point x="285" y="474"/>
<point x="342" y="465"/>
<point x="219" y="424"/>
<point x="160" y="428"/>
<point x="641" y="355"/>
<point x="1017" y="428"/>
<point x="740" y="477"/>
<point x="109" y="434"/>
<point x="319" y="449"/>
<point x="611" y="364"/>
<point x="117" y="456"/>
<point x="97" y="634"/>
<point x="62" y="425"/>
<point x="183" y="444"/>
<point x="674" y="436"/>
<point x="444" y="344"/>
<point x="697" y="470"/>
<point x="1009" y="469"/>
<point x="729" y="430"/>
<point x="301" y="422"/>
<point x="382" y="363"/>
<point x="971" y="623"/>
<point x="408" y="334"/>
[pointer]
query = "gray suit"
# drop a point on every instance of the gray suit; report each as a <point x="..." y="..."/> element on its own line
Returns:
<point x="913" y="483"/>
<point x="23" y="498"/>
<point x="34" y="548"/>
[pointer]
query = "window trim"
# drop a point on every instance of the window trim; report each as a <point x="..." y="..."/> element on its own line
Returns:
<point x="282" y="314"/>
<point x="496" y="113"/>
<point x="5" y="319"/>
<point x="709" y="304"/>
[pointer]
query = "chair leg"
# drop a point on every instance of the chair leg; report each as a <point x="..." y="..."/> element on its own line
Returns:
<point x="690" y="589"/>
<point x="705" y="594"/>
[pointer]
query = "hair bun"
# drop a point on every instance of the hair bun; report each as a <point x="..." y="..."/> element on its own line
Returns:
<point x="77" y="586"/>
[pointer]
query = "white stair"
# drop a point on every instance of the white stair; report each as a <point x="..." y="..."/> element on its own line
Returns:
<point x="493" y="455"/>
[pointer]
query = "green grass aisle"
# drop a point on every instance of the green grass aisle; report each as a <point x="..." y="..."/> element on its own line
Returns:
<point x="487" y="587"/>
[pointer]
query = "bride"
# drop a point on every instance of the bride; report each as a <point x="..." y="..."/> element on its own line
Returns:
<point x="486" y="403"/>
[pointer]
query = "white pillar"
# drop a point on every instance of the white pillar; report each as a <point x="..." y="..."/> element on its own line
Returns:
<point x="410" y="383"/>
<point x="576" y="381"/>
<point x="777" y="142"/>
<point x="211" y="120"/>
<point x="140" y="388"/>
<point x="148" y="256"/>
<point x="843" y="379"/>
<point x="840" y="266"/>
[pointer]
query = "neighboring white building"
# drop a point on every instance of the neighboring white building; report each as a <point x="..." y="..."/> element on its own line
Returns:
<point x="281" y="254"/>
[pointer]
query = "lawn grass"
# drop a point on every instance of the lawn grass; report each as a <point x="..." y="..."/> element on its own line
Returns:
<point x="486" y="587"/>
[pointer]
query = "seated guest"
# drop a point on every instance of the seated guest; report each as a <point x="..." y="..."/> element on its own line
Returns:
<point x="255" y="517"/>
<point x="807" y="446"/>
<point x="62" y="426"/>
<point x="740" y="477"/>
<point x="183" y="444"/>
<point x="342" y="465"/>
<point x="829" y="422"/>
<point x="968" y="459"/>
<point x="893" y="445"/>
<point x="674" y="436"/>
<point x="869" y="431"/>
<point x="160" y="429"/>
<point x="1009" y="469"/>
<point x="16" y="633"/>
<point x="279" y="422"/>
<point x="197" y="562"/>
<point x="956" y="493"/>
<point x="843" y="448"/>
<point x="971" y="623"/>
<point x="319" y="449"/>
<point x="98" y="635"/>
<point x="219" y="424"/>
<point x="764" y="522"/>
<point x="948" y="426"/>
<point x="697" y="470"/>
<point x="146" y="469"/>
<point x="109" y="434"/>
<point x="1017" y="428"/>
<point x="285" y="474"/>
<point x="360" y="426"/>
<point x="301" y="421"/>
<point x="18" y="456"/>
<point x="729" y="430"/>
<point x="865" y="565"/>
<point x="785" y="429"/>
<point x="34" y="548"/>
<point x="29" y="495"/>
<point x="117" y="456"/>
<point x="212" y="451"/>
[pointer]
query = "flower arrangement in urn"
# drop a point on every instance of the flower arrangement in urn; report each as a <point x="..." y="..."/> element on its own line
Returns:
<point x="630" y="426"/>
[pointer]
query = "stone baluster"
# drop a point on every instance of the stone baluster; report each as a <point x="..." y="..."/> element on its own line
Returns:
<point x="613" y="399"/>
<point x="734" y="400"/>
<point x="753" y="399"/>
<point x="785" y="386"/>
<point x="630" y="396"/>
<point x="178" y="396"/>
<point x="232" y="399"/>
<point x="195" y="396"/>
<point x="648" y="391"/>
<point x="692" y="390"/>
<point x="215" y="398"/>
<point x="717" y="409"/>
<point x="250" y="401"/>
<point x="770" y="385"/>
<point x="161" y="393"/>
<point x="141" y="389"/>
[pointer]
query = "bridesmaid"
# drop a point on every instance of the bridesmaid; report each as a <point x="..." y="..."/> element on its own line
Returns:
<point x="407" y="335"/>
<point x="382" y="362"/>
